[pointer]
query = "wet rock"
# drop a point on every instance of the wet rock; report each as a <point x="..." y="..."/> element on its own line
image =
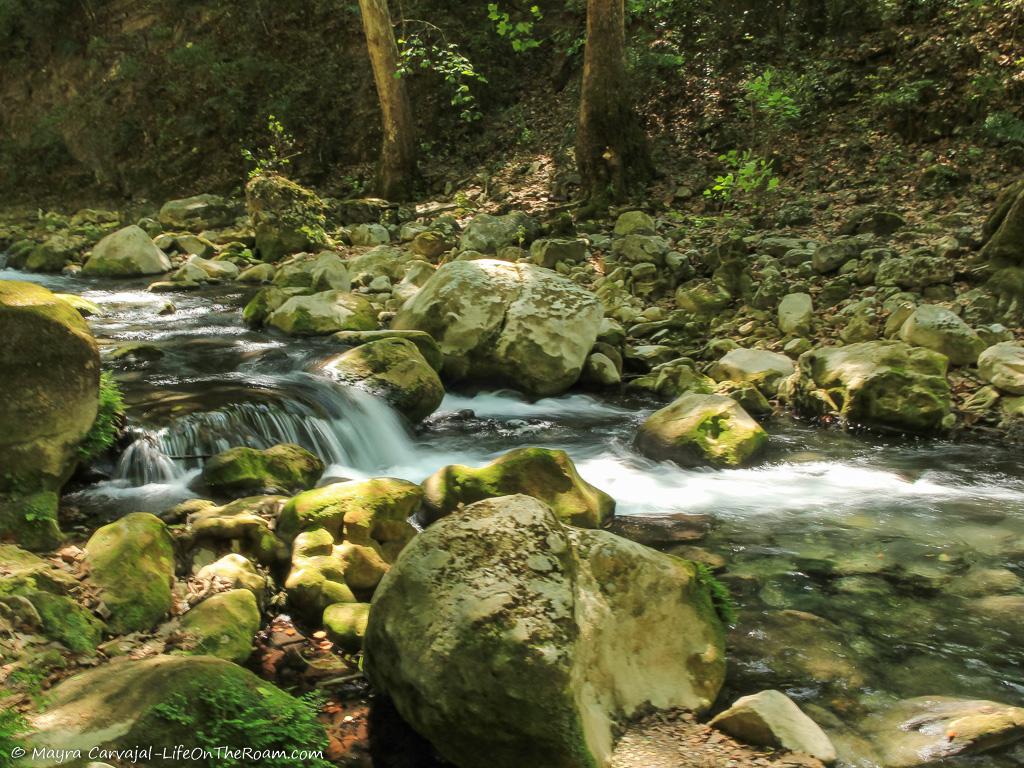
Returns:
<point x="265" y="302"/>
<point x="520" y="324"/>
<point x="937" y="328"/>
<point x="131" y="563"/>
<point x="662" y="530"/>
<point x="772" y="719"/>
<point x="1002" y="365"/>
<point x="672" y="379"/>
<point x="600" y="371"/>
<point x="129" y="252"/>
<point x="323" y="313"/>
<point x="544" y="474"/>
<point x="281" y="469"/>
<point x="880" y="384"/>
<point x="223" y="625"/>
<point x="393" y="368"/>
<point x="49" y="369"/>
<point x="766" y="370"/>
<point x="930" y="729"/>
<point x="698" y="430"/>
<point x="586" y="627"/>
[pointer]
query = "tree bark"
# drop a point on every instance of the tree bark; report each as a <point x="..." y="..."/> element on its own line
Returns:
<point x="611" y="148"/>
<point x="397" y="173"/>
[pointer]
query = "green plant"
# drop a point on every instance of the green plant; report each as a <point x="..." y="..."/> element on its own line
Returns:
<point x="12" y="725"/>
<point x="519" y="33"/>
<point x="721" y="598"/>
<point x="1004" y="128"/>
<point x="230" y="714"/>
<point x="769" y="100"/>
<point x="277" y="153"/>
<point x="749" y="177"/>
<point x="109" y="419"/>
<point x="427" y="50"/>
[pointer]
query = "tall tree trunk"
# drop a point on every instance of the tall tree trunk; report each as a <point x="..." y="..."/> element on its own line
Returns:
<point x="397" y="173"/>
<point x="611" y="149"/>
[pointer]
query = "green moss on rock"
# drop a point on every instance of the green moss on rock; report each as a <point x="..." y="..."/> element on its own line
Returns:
<point x="284" y="469"/>
<point x="223" y="625"/>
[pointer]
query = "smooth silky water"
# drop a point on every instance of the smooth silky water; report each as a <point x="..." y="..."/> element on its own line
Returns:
<point x="858" y="563"/>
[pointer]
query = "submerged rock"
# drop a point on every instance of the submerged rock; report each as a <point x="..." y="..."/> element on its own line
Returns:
<point x="698" y="430"/>
<point x="507" y="638"/>
<point x="49" y="373"/>
<point x="544" y="474"/>
<point x="930" y="729"/>
<point x="131" y="562"/>
<point x="284" y="469"/>
<point x="772" y="719"/>
<point x="129" y="252"/>
<point x="520" y="324"/>
<point x="885" y="385"/>
<point x="394" y="369"/>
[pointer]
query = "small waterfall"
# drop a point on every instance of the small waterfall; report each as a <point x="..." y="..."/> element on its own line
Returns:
<point x="342" y="425"/>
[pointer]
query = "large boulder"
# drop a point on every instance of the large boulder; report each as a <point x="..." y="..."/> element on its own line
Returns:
<point x="940" y="329"/>
<point x="1004" y="230"/>
<point x="49" y="374"/>
<point x="198" y="213"/>
<point x="1002" y="366"/>
<point x="544" y="474"/>
<point x="699" y="430"/>
<point x="129" y="252"/>
<point x="323" y="313"/>
<point x="915" y="271"/>
<point x="772" y="719"/>
<point x="284" y="469"/>
<point x="223" y="625"/>
<point x="886" y="385"/>
<point x="394" y="369"/>
<point x="928" y="730"/>
<point x="131" y="563"/>
<point x="287" y="217"/>
<point x="424" y="342"/>
<point x="324" y="272"/>
<point x="519" y="324"/>
<point x="508" y="638"/>
<point x="764" y="369"/>
<point x="169" y="702"/>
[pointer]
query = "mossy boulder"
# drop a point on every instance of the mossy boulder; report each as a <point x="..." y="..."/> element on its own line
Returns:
<point x="424" y="342"/>
<point x="323" y="313"/>
<point x="508" y="638"/>
<point x="287" y="218"/>
<point x="940" y="329"/>
<point x="345" y="625"/>
<point x="489" y="234"/>
<point x="544" y="474"/>
<point x="50" y="591"/>
<point x="244" y="526"/>
<point x="198" y="213"/>
<point x="698" y="430"/>
<point x="280" y="469"/>
<point x="131" y="562"/>
<point x="394" y="369"/>
<point x="522" y="325"/>
<point x="223" y="625"/>
<point x="764" y="369"/>
<point x="1004" y="230"/>
<point x="884" y="385"/>
<point x="129" y="252"/>
<point x="170" y="701"/>
<point x="266" y="301"/>
<point x="1002" y="365"/>
<point x="53" y="253"/>
<point x="50" y="375"/>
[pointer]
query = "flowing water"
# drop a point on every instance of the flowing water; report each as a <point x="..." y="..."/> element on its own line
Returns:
<point x="864" y="568"/>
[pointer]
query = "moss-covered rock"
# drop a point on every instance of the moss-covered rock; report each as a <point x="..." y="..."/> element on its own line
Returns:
<point x="323" y="313"/>
<point x="1002" y="365"/>
<point x="131" y="562"/>
<point x="287" y="217"/>
<point x="522" y="325"/>
<point x="940" y="329"/>
<point x="544" y="474"/>
<point x="764" y="369"/>
<point x="244" y="525"/>
<point x="345" y="624"/>
<point x="266" y="301"/>
<point x="235" y="571"/>
<point x="198" y="212"/>
<point x="394" y="369"/>
<point x="54" y="253"/>
<point x="129" y="252"/>
<point x="489" y="234"/>
<point x="424" y="342"/>
<point x="281" y="469"/>
<point x="698" y="430"/>
<point x="508" y="638"/>
<point x="886" y="385"/>
<point x="223" y="625"/>
<point x="1004" y="230"/>
<point x="49" y="372"/>
<point x="172" y="701"/>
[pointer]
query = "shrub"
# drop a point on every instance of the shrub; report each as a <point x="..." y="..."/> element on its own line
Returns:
<point x="109" y="419"/>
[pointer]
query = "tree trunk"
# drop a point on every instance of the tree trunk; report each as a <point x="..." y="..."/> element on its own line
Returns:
<point x="611" y="149"/>
<point x="397" y="173"/>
